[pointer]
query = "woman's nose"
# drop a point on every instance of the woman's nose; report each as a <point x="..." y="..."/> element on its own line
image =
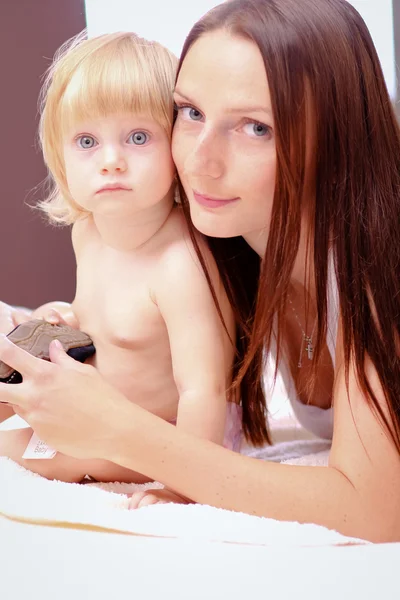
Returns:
<point x="113" y="161"/>
<point x="206" y="158"/>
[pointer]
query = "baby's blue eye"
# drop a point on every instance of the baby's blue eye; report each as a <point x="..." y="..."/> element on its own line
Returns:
<point x="86" y="142"/>
<point x="139" y="138"/>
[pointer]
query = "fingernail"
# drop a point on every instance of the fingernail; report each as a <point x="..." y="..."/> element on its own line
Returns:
<point x="58" y="344"/>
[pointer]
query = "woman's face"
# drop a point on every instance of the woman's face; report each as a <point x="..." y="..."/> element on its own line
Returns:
<point x="223" y="141"/>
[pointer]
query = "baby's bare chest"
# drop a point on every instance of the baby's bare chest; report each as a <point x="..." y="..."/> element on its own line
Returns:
<point x="115" y="302"/>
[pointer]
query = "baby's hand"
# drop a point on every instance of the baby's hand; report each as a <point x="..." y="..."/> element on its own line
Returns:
<point x="11" y="316"/>
<point x="149" y="497"/>
<point x="56" y="313"/>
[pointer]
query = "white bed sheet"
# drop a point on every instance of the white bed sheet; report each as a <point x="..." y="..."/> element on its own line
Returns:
<point x="64" y="560"/>
<point x="52" y="563"/>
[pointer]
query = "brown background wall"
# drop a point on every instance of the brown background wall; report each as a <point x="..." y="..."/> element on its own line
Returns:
<point x="36" y="260"/>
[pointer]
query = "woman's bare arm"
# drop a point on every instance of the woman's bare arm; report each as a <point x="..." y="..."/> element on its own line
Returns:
<point x="10" y="316"/>
<point x="357" y="494"/>
<point x="72" y="408"/>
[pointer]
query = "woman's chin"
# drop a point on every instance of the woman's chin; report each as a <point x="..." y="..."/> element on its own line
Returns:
<point x="214" y="225"/>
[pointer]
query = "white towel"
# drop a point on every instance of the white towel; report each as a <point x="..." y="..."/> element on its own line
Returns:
<point x="28" y="497"/>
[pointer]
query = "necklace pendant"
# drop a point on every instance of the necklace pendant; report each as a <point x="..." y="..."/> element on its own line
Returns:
<point x="309" y="347"/>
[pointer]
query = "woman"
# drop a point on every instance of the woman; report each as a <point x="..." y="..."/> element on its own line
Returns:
<point x="285" y="137"/>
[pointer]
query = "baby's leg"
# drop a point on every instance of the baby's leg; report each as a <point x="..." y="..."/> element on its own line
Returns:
<point x="108" y="472"/>
<point x="63" y="468"/>
<point x="5" y="412"/>
<point x="13" y="444"/>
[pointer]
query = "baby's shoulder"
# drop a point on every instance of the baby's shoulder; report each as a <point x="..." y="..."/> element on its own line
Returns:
<point x="183" y="246"/>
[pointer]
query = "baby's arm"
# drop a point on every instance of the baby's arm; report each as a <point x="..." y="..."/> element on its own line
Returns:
<point x="201" y="351"/>
<point x="11" y="316"/>
<point x="63" y="312"/>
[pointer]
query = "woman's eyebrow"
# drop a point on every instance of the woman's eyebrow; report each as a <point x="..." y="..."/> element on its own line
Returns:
<point x="234" y="109"/>
<point x="176" y="91"/>
<point x="246" y="109"/>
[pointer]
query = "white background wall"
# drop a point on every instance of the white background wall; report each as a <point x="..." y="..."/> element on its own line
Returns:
<point x="378" y="15"/>
<point x="168" y="21"/>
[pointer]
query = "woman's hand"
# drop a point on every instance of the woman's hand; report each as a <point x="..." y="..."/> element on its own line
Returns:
<point x="68" y="404"/>
<point x="11" y="316"/>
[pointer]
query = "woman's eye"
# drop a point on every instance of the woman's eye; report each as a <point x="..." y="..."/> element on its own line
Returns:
<point x="190" y="113"/>
<point x="86" y="142"/>
<point x="257" y="129"/>
<point x="194" y="114"/>
<point x="139" y="138"/>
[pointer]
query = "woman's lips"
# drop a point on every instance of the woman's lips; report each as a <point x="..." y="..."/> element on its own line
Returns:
<point x="210" y="202"/>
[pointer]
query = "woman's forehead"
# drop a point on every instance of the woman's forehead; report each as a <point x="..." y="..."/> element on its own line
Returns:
<point x="225" y="68"/>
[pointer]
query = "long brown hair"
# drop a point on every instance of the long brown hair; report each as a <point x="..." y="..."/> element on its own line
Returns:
<point x="319" y="53"/>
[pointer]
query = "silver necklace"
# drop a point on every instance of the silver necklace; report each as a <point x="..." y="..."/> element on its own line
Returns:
<point x="306" y="340"/>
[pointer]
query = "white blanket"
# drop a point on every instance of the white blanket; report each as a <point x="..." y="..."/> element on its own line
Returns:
<point x="179" y="552"/>
<point x="31" y="498"/>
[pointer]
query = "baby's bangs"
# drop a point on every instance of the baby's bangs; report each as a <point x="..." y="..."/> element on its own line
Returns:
<point x="116" y="81"/>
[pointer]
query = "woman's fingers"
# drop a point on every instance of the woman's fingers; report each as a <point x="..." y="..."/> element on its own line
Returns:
<point x="20" y="360"/>
<point x="14" y="396"/>
<point x="58" y="356"/>
<point x="68" y="404"/>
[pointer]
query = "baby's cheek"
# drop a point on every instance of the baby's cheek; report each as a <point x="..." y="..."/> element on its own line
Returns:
<point x="165" y="172"/>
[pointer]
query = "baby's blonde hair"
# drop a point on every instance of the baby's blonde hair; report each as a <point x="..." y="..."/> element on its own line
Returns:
<point x="91" y="78"/>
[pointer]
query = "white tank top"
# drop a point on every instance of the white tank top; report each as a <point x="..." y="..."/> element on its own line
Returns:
<point x="317" y="420"/>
